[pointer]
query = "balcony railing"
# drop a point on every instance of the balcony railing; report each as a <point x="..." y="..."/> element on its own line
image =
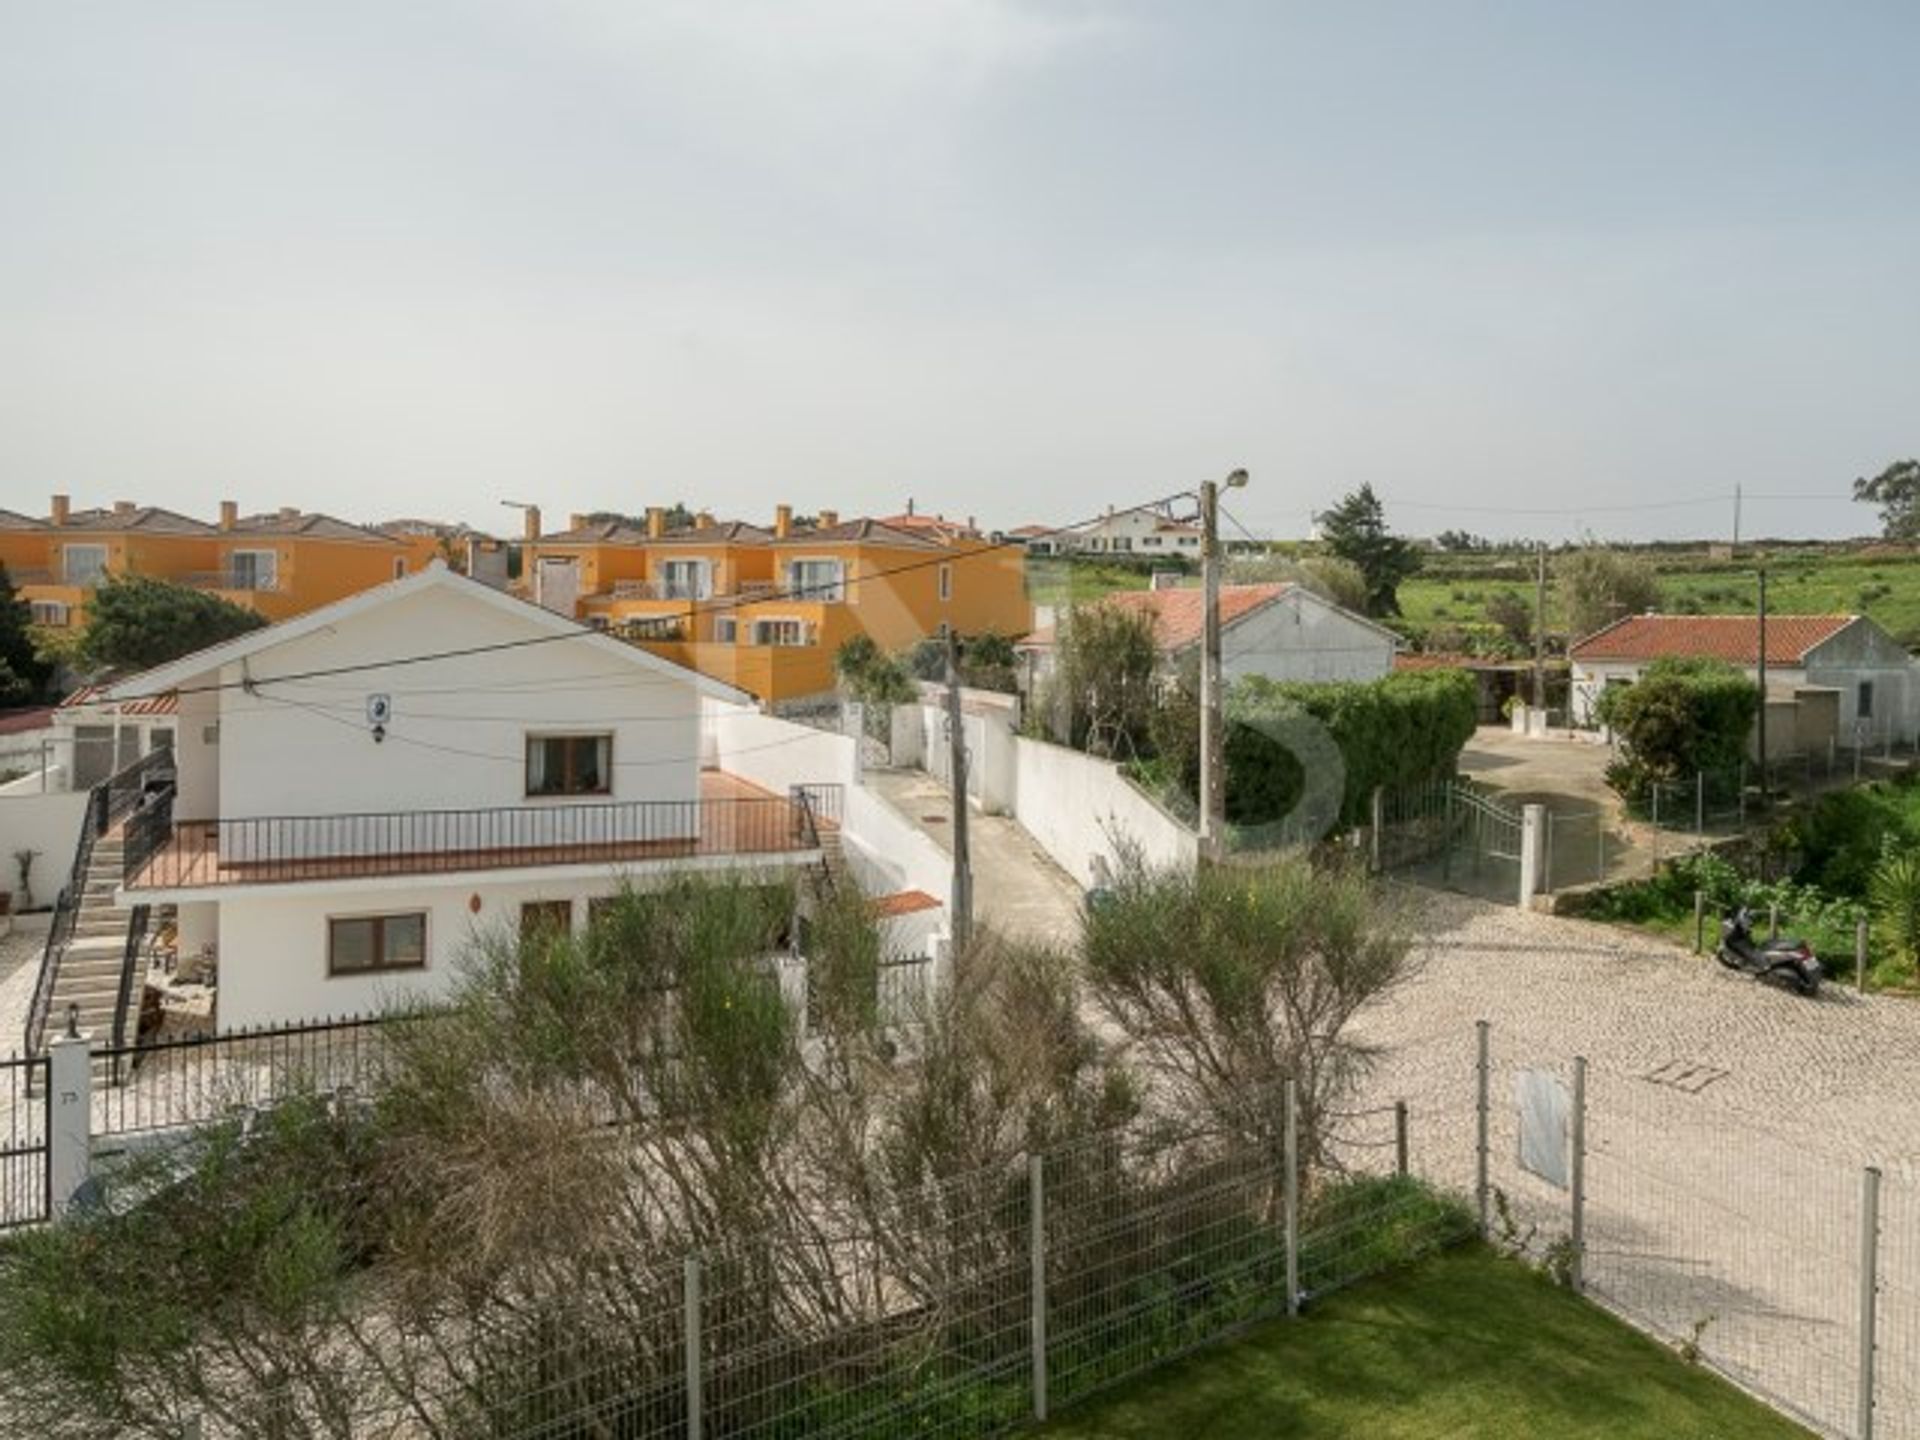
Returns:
<point x="31" y="575"/>
<point x="659" y="590"/>
<point x="230" y="580"/>
<point x="280" y="848"/>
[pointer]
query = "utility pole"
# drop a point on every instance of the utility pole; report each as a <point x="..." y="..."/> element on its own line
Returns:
<point x="1736" y="516"/>
<point x="1762" y="670"/>
<point x="1540" y="631"/>
<point x="1213" y="726"/>
<point x="957" y="766"/>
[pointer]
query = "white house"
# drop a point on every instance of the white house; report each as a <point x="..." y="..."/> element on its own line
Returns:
<point x="1280" y="630"/>
<point x="360" y="791"/>
<point x="1147" y="531"/>
<point x="1877" y="680"/>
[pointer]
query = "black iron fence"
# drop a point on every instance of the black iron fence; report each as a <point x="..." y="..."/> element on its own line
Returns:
<point x="25" y="1170"/>
<point x="266" y="849"/>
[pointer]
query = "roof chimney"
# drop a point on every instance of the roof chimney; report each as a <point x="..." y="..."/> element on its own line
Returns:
<point x="123" y="507"/>
<point x="656" y="521"/>
<point x="62" y="508"/>
<point x="704" y="520"/>
<point x="530" y="530"/>
<point x="909" y="504"/>
<point x="829" y="519"/>
<point x="576" y="521"/>
<point x="289" y="512"/>
<point x="229" y="514"/>
<point x="782" y="521"/>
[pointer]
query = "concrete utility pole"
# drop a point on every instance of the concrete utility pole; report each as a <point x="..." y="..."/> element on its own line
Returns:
<point x="1540" y="631"/>
<point x="1213" y="720"/>
<point x="1761" y="668"/>
<point x="957" y="765"/>
<point x="1736" y="517"/>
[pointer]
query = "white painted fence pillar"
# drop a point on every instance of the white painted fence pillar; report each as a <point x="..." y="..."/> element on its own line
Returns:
<point x="69" y="1118"/>
<point x="1533" y="848"/>
<point x="853" y="724"/>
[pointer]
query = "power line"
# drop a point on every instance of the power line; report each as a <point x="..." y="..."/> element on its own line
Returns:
<point x="729" y="603"/>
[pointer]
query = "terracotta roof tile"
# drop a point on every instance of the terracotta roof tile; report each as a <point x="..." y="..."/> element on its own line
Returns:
<point x="861" y="532"/>
<point x="1734" y="638"/>
<point x="13" y="520"/>
<point x="309" y="523"/>
<point x="904" y="902"/>
<point x="1178" y="615"/>
<point x="151" y="519"/>
<point x="167" y="704"/>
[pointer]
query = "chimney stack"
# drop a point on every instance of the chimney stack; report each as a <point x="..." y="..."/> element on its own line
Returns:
<point x="229" y="514"/>
<point x="576" y="521"/>
<point x="289" y="512"/>
<point x="656" y="521"/>
<point x="829" y="519"/>
<point x="62" y="508"/>
<point x="530" y="529"/>
<point x="909" y="504"/>
<point x="782" y="521"/>
<point x="123" y="508"/>
<point x="704" y="520"/>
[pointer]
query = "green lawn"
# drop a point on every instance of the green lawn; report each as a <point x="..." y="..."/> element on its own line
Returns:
<point x="1463" y="1344"/>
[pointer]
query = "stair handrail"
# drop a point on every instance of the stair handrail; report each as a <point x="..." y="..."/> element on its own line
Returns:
<point x="129" y="963"/>
<point x="106" y="803"/>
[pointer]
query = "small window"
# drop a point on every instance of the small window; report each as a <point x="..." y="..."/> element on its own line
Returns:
<point x="779" y="632"/>
<point x="817" y="580"/>
<point x="159" y="738"/>
<point x="946" y="582"/>
<point x="369" y="944"/>
<point x="725" y="629"/>
<point x="50" y="613"/>
<point x="253" y="570"/>
<point x="83" y="564"/>
<point x="546" y="919"/>
<point x="685" y="580"/>
<point x="1866" y="699"/>
<point x="399" y="567"/>
<point x="569" y="764"/>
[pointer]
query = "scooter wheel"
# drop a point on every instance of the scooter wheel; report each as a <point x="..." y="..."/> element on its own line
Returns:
<point x="1726" y="959"/>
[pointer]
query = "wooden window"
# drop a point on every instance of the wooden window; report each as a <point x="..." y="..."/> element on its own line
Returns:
<point x="370" y="944"/>
<point x="569" y="764"/>
<point x="546" y="919"/>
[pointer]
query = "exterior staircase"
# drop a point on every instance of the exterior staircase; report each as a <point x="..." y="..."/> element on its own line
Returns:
<point x="87" y="971"/>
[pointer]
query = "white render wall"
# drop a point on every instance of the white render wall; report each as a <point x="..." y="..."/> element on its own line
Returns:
<point x="1302" y="637"/>
<point x="273" y="946"/>
<point x="48" y="825"/>
<point x="1081" y="810"/>
<point x="456" y="740"/>
<point x="774" y="754"/>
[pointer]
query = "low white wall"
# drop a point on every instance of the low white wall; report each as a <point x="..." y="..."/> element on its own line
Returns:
<point x="887" y="854"/>
<point x="49" y="824"/>
<point x="775" y="754"/>
<point x="1079" y="809"/>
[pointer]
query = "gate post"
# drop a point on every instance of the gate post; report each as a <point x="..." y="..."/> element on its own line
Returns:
<point x="1533" y="839"/>
<point x="69" y="1119"/>
<point x="1869" y="1294"/>
<point x="853" y="723"/>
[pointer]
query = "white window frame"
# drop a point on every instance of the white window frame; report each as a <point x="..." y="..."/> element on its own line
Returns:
<point x="777" y="624"/>
<point x="53" y="614"/>
<point x="832" y="594"/>
<point x="702" y="571"/>
<point x="67" y="568"/>
<point x="272" y="570"/>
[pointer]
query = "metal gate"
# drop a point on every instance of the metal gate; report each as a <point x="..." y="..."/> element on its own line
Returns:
<point x="26" y="1174"/>
<point x="1450" y="834"/>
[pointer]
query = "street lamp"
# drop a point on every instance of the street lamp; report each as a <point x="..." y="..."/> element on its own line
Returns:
<point x="1213" y="729"/>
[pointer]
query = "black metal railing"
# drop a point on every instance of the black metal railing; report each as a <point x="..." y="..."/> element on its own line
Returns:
<point x="132" y="986"/>
<point x="107" y="803"/>
<point x="26" y="1172"/>
<point x="278" y="848"/>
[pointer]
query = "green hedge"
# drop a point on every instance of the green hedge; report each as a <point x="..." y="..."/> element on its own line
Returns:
<point x="1391" y="733"/>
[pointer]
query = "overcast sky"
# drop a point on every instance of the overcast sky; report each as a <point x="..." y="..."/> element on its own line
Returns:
<point x="1017" y="260"/>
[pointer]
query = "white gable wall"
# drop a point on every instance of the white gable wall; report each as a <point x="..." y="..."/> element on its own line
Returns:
<point x="1300" y="637"/>
<point x="457" y="736"/>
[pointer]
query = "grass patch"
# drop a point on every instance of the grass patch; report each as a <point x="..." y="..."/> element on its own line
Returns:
<point x="1464" y="1343"/>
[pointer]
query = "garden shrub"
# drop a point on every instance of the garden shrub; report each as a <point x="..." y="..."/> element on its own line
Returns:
<point x="1682" y="718"/>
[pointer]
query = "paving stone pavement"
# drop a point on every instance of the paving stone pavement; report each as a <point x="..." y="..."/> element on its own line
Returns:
<point x="1728" y="1124"/>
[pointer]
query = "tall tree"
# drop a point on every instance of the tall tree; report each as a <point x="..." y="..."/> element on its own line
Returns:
<point x="1599" y="586"/>
<point x="1356" y="531"/>
<point x="135" y="621"/>
<point x="1896" y="490"/>
<point x="22" y="672"/>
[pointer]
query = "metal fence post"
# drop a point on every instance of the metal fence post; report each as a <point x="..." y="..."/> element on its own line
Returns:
<point x="1869" y="1293"/>
<point x="1293" y="1198"/>
<point x="690" y="1323"/>
<point x="1860" y="956"/>
<point x="1699" y="921"/>
<point x="1480" y="1141"/>
<point x="1037" y="1260"/>
<point x="1700" y="802"/>
<point x="1400" y="1138"/>
<point x="1579" y="1173"/>
<point x="1655" y="870"/>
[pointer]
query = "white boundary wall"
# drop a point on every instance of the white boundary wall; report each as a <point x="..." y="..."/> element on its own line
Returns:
<point x="1080" y="809"/>
<point x="774" y="754"/>
<point x="49" y="824"/>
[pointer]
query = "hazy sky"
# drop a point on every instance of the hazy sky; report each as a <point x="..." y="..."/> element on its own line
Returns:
<point x="1019" y="260"/>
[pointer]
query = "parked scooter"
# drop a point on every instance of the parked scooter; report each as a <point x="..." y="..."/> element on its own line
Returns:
<point x="1782" y="959"/>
